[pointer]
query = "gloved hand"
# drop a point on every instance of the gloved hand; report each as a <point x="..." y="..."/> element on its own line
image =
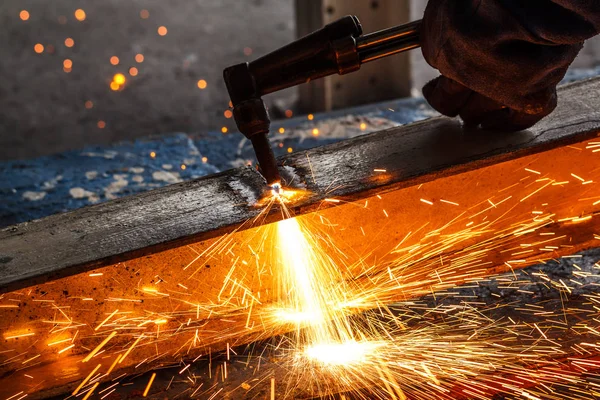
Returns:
<point x="502" y="59"/>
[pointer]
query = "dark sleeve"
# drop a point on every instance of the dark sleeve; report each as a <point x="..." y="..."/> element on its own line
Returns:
<point x="557" y="21"/>
<point x="512" y="51"/>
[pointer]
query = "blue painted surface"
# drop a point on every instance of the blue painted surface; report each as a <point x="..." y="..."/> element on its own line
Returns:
<point x="577" y="74"/>
<point x="31" y="189"/>
<point x="36" y="188"/>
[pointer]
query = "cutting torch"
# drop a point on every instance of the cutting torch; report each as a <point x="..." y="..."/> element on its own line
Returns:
<point x="338" y="48"/>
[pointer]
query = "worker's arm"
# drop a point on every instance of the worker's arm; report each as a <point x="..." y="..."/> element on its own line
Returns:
<point x="502" y="59"/>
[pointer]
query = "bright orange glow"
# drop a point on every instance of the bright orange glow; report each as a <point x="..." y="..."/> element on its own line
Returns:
<point x="228" y="114"/>
<point x="315" y="132"/>
<point x="144" y="14"/>
<point x="24" y="15"/>
<point x="80" y="15"/>
<point x="133" y="71"/>
<point x="344" y="354"/>
<point x="331" y="302"/>
<point x="289" y="150"/>
<point x="101" y="124"/>
<point x="300" y="263"/>
<point x="119" y="79"/>
<point x="69" y="42"/>
<point x="38" y="48"/>
<point x="16" y="335"/>
<point x="162" y="30"/>
<point x="224" y="129"/>
<point x="82" y="384"/>
<point x="282" y="130"/>
<point x="289" y="113"/>
<point x="97" y="349"/>
<point x="310" y="117"/>
<point x="115" y="86"/>
<point x="139" y="58"/>
<point x="202" y="84"/>
<point x="66" y="348"/>
<point x="68" y="64"/>
<point x="363" y="126"/>
<point x="89" y="393"/>
<point x="296" y="317"/>
<point x="183" y="167"/>
<point x="149" y="384"/>
<point x="114" y="60"/>
<point x="305" y="266"/>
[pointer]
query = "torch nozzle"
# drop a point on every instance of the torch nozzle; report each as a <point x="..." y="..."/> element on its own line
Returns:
<point x="266" y="158"/>
<point x="276" y="189"/>
<point x="338" y="48"/>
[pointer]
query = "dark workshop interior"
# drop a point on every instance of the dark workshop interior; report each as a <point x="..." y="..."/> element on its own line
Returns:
<point x="299" y="199"/>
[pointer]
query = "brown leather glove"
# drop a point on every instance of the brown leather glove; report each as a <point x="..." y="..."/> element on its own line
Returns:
<point x="502" y="59"/>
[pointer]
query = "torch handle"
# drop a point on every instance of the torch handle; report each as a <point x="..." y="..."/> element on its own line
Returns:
<point x="388" y="42"/>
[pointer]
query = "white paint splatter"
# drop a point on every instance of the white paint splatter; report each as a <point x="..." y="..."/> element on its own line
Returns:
<point x="34" y="196"/>
<point x="136" y="170"/>
<point x="120" y="181"/>
<point x="244" y="190"/>
<point x="51" y="184"/>
<point x="165" y="176"/>
<point x="137" y="178"/>
<point x="81" y="193"/>
<point x="91" y="175"/>
<point x="291" y="178"/>
<point x="238" y="163"/>
<point x="109" y="154"/>
<point x="167" y="166"/>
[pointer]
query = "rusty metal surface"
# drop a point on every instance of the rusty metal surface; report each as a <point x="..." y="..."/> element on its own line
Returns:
<point x="244" y="382"/>
<point x="131" y="227"/>
<point x="37" y="188"/>
<point x="455" y="229"/>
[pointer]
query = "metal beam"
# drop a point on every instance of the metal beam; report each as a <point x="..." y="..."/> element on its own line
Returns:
<point x="429" y="205"/>
<point x="120" y="230"/>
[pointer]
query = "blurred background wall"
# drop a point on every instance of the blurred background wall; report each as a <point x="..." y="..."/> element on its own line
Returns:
<point x="47" y="108"/>
<point x="80" y="72"/>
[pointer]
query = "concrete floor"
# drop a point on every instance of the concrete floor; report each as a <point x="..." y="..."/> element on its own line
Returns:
<point x="42" y="107"/>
